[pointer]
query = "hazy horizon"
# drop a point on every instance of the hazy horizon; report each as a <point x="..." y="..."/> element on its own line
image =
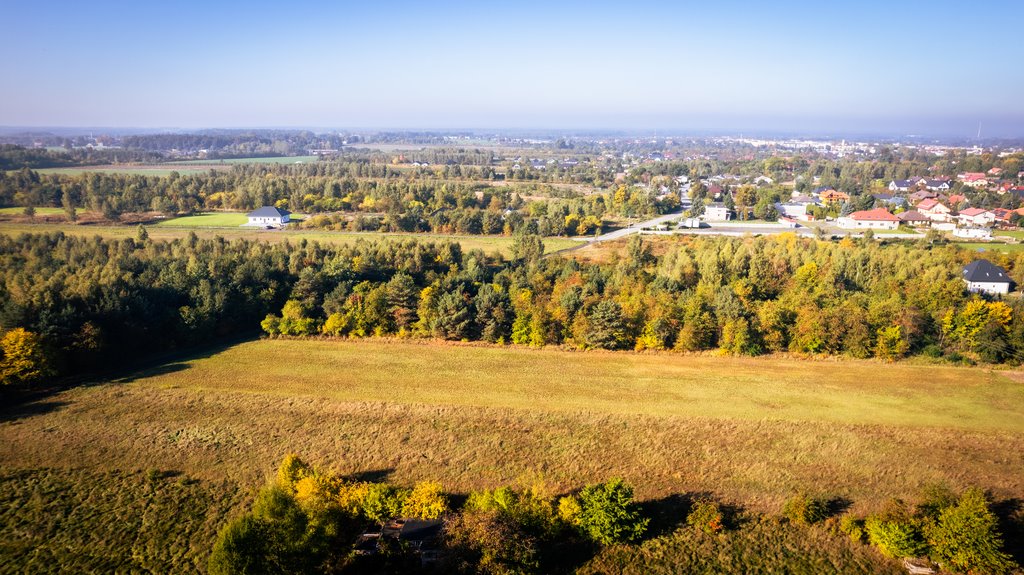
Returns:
<point x="794" y="67"/>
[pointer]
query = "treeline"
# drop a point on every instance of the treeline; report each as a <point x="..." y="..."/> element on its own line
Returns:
<point x="398" y="204"/>
<point x="71" y="304"/>
<point x="740" y="296"/>
<point x="236" y="143"/>
<point x="17" y="157"/>
<point x="82" y="303"/>
<point x="309" y="520"/>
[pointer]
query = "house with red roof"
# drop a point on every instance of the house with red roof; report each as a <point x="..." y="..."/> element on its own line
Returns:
<point x="878" y="219"/>
<point x="935" y="210"/>
<point x="976" y="217"/>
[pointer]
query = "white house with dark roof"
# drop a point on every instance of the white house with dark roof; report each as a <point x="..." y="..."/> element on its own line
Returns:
<point x="268" y="216"/>
<point x="983" y="276"/>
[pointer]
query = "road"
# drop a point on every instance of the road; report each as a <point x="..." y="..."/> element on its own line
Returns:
<point x="635" y="228"/>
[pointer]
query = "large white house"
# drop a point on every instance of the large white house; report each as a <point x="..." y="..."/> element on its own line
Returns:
<point x="877" y="219"/>
<point x="717" y="212"/>
<point x="268" y="216"/>
<point x="986" y="277"/>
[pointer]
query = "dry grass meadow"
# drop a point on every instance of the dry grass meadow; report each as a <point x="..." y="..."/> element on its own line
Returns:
<point x="171" y="231"/>
<point x="195" y="437"/>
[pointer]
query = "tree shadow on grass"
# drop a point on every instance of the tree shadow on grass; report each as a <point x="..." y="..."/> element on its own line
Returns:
<point x="1011" y="524"/>
<point x="372" y="475"/>
<point x="153" y="372"/>
<point x="27" y="406"/>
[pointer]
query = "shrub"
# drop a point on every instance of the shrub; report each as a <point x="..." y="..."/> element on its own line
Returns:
<point x="852" y="527"/>
<point x="426" y="501"/>
<point x="489" y="542"/>
<point x="706" y="516"/>
<point x="530" y="507"/>
<point x="382" y="502"/>
<point x="804" y="509"/>
<point x="965" y="537"/>
<point x="895" y="532"/>
<point x="291" y="470"/>
<point x="608" y="514"/>
<point x="241" y="549"/>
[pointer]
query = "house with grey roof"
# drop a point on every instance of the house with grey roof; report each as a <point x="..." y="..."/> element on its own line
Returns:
<point x="983" y="276"/>
<point x="268" y="216"/>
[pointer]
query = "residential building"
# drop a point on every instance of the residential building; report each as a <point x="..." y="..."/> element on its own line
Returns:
<point x="985" y="277"/>
<point x="878" y="218"/>
<point x="934" y="210"/>
<point x="913" y="218"/>
<point x="268" y="216"/>
<point x="976" y="217"/>
<point x="717" y="212"/>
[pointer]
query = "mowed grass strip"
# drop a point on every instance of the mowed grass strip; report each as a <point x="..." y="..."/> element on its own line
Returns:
<point x="489" y="244"/>
<point x="206" y="220"/>
<point x="18" y="211"/>
<point x="851" y="392"/>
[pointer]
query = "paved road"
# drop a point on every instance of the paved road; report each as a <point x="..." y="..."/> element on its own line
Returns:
<point x="635" y="228"/>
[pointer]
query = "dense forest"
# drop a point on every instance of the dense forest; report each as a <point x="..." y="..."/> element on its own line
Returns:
<point x="74" y="303"/>
<point x="356" y="196"/>
<point x="16" y="157"/>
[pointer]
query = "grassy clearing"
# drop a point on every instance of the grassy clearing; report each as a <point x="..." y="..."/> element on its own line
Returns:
<point x="160" y="170"/>
<point x="19" y="211"/>
<point x="749" y="430"/>
<point x="229" y="161"/>
<point x="993" y="247"/>
<point x="207" y="220"/>
<point x="73" y="521"/>
<point x="170" y="231"/>
<point x="1016" y="234"/>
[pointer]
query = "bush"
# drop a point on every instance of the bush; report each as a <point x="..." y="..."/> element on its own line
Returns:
<point x="853" y="528"/>
<point x="608" y="514"/>
<point x="895" y="532"/>
<point x="706" y="516"/>
<point x="965" y="537"/>
<point x="803" y="509"/>
<point x="426" y="501"/>
<point x="383" y="502"/>
<point x="489" y="542"/>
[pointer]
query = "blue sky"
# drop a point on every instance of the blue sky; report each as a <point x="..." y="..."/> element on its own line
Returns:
<point x="892" y="66"/>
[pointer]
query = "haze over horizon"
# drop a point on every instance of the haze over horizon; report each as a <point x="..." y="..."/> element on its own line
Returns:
<point x="796" y="66"/>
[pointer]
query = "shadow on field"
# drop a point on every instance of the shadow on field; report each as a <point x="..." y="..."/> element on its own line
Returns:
<point x="23" y="407"/>
<point x="152" y="372"/>
<point x="1011" y="525"/>
<point x="373" y="475"/>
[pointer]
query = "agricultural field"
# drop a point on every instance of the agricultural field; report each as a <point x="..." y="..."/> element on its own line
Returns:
<point x="159" y="170"/>
<point x="206" y="220"/>
<point x="170" y="231"/>
<point x="19" y="211"/>
<point x="195" y="436"/>
<point x="229" y="161"/>
<point x="992" y="246"/>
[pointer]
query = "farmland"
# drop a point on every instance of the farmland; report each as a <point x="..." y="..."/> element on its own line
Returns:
<point x="473" y="415"/>
<point x="206" y="220"/>
<point x="749" y="430"/>
<point x="173" y="229"/>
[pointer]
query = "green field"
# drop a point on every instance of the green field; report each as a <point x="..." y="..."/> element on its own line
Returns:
<point x="39" y="211"/>
<point x="169" y="231"/>
<point x="147" y="170"/>
<point x="1017" y="234"/>
<point x="990" y="246"/>
<point x="273" y="160"/>
<point x="190" y="440"/>
<point x="207" y="220"/>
